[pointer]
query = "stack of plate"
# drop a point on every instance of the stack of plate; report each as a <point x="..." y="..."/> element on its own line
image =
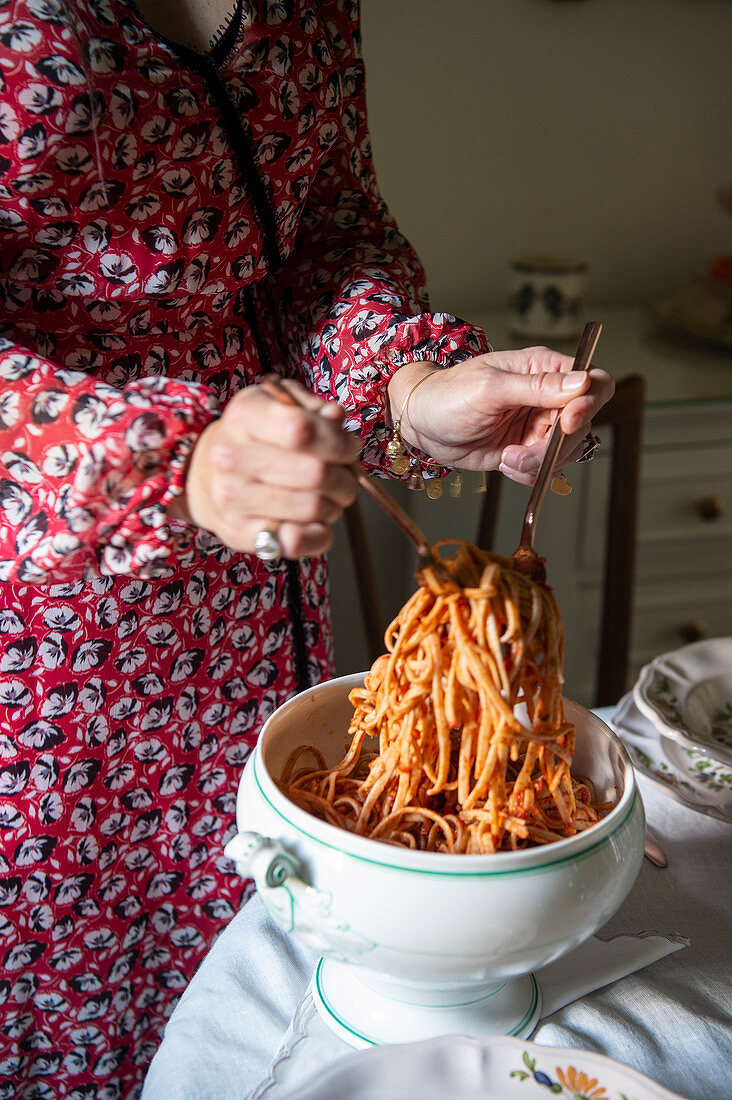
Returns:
<point x="677" y="725"/>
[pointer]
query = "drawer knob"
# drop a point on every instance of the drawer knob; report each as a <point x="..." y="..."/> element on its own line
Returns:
<point x="694" y="631"/>
<point x="710" y="508"/>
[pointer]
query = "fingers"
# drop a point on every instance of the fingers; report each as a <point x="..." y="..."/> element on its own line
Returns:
<point x="269" y="468"/>
<point x="274" y="504"/>
<point x="521" y="463"/>
<point x="540" y="378"/>
<point x="305" y="540"/>
<point x="264" y="464"/>
<point x="297" y="540"/>
<point x="546" y="390"/>
<point x="581" y="410"/>
<point x="317" y="428"/>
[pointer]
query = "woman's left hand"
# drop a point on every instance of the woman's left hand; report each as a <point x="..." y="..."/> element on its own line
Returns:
<point x="494" y="412"/>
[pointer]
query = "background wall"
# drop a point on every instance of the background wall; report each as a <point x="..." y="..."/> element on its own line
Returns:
<point x="600" y="128"/>
<point x="595" y="128"/>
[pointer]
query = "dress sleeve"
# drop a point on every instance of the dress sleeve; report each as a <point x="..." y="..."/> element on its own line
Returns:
<point x="87" y="470"/>
<point x="350" y="300"/>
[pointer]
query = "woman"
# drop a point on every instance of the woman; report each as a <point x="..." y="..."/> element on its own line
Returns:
<point x="177" y="221"/>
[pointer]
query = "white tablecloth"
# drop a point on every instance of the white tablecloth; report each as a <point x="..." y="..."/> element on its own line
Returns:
<point x="671" y="1020"/>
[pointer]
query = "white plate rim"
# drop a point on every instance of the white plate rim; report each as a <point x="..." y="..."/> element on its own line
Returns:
<point x="646" y="704"/>
<point x="677" y="786"/>
<point x="643" y="1086"/>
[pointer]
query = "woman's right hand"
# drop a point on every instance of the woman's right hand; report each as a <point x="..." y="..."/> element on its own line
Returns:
<point x="263" y="464"/>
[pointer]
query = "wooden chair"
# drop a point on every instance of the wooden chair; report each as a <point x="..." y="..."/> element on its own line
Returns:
<point x="623" y="414"/>
<point x="365" y="580"/>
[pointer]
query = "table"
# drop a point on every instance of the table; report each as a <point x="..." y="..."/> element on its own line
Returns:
<point x="671" y="1020"/>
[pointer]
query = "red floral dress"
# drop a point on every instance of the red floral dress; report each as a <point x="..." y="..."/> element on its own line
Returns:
<point x="172" y="225"/>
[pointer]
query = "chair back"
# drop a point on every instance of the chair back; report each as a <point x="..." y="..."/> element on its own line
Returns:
<point x="365" y="581"/>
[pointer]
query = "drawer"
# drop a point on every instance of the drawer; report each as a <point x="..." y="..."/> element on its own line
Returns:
<point x="685" y="511"/>
<point x="683" y="492"/>
<point x="664" y="617"/>
<point x="683" y="557"/>
<point x="670" y="615"/>
<point x="687" y="423"/>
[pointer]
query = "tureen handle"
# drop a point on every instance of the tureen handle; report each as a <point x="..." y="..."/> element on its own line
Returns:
<point x="261" y="858"/>
<point x="290" y="900"/>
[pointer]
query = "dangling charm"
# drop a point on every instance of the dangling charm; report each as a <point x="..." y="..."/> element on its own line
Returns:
<point x="403" y="460"/>
<point x="416" y="481"/>
<point x="396" y="454"/>
<point x="456" y="485"/>
<point x="560" y="485"/>
<point x="434" y="488"/>
<point x="482" y="486"/>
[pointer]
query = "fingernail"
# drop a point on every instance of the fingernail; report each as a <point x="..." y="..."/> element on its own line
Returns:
<point x="575" y="380"/>
<point x="526" y="465"/>
<point x="512" y="472"/>
<point x="507" y="471"/>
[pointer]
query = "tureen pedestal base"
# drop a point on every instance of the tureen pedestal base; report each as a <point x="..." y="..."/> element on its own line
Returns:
<point x="363" y="1017"/>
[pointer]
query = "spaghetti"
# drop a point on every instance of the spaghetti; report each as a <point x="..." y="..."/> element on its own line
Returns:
<point x="474" y="750"/>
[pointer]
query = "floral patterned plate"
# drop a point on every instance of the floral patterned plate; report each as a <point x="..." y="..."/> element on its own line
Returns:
<point x="498" y="1068"/>
<point x="687" y="694"/>
<point x="686" y="775"/>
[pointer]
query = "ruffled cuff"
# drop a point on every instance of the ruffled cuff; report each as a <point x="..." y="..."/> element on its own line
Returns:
<point x="111" y="469"/>
<point x="138" y="536"/>
<point x="438" y="338"/>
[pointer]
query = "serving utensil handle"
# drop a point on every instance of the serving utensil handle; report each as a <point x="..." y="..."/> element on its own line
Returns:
<point x="582" y="360"/>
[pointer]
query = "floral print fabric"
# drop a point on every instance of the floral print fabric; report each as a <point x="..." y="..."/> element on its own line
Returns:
<point x="172" y="226"/>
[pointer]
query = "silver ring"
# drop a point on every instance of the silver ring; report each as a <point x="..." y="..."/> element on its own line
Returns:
<point x="267" y="545"/>
<point x="589" y="445"/>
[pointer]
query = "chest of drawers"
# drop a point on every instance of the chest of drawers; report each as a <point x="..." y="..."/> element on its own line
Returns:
<point x="683" y="589"/>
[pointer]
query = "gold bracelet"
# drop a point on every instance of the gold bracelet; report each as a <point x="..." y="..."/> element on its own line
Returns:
<point x="403" y="458"/>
